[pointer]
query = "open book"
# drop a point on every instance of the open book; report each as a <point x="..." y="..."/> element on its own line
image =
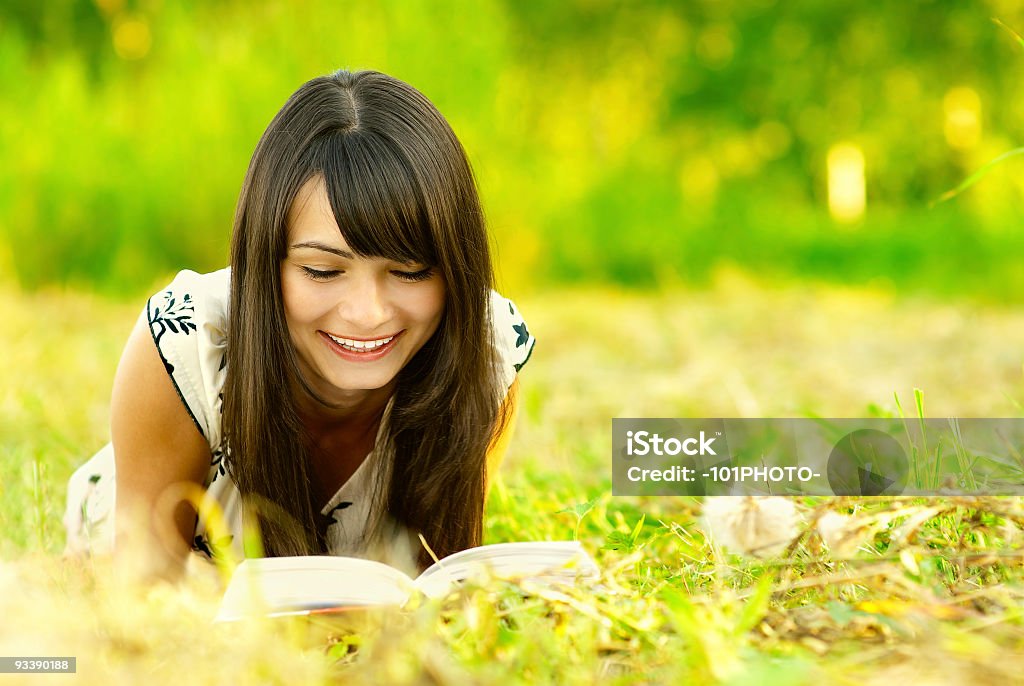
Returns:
<point x="276" y="586"/>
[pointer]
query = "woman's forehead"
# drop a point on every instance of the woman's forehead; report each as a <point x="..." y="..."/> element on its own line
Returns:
<point x="310" y="217"/>
<point x="371" y="215"/>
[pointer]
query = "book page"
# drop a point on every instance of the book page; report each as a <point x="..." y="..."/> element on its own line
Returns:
<point x="565" y="560"/>
<point x="297" y="585"/>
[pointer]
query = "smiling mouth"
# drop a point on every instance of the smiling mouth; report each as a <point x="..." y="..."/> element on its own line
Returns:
<point x="360" y="346"/>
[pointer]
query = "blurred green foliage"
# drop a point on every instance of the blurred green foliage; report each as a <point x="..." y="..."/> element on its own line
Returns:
<point x="639" y="143"/>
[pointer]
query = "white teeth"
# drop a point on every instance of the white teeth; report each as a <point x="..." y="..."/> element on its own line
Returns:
<point x="350" y="344"/>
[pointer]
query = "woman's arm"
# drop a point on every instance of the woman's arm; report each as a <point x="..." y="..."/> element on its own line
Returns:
<point x="156" y="446"/>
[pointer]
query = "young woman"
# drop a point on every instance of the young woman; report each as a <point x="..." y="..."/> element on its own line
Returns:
<point x="347" y="381"/>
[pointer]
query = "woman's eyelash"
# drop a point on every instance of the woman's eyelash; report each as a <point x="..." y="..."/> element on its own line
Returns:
<point x="320" y="274"/>
<point x="325" y="274"/>
<point x="421" y="275"/>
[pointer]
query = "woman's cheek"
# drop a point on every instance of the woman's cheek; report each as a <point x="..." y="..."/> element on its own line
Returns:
<point x="302" y="304"/>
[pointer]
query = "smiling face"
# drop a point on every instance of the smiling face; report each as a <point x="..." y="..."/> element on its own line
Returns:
<point x="354" y="321"/>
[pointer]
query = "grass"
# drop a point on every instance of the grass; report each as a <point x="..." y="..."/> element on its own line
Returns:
<point x="923" y="590"/>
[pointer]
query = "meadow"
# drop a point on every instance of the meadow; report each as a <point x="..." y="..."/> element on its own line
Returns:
<point x="704" y="209"/>
<point x="923" y="589"/>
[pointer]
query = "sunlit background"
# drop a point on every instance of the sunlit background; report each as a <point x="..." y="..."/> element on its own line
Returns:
<point x="704" y="208"/>
<point x="639" y="144"/>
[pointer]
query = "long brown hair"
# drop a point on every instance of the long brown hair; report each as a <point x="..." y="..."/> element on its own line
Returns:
<point x="401" y="188"/>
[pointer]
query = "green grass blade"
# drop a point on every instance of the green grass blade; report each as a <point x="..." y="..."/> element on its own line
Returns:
<point x="976" y="176"/>
<point x="1016" y="36"/>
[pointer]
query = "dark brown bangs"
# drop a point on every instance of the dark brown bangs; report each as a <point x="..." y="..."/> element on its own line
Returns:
<point x="377" y="202"/>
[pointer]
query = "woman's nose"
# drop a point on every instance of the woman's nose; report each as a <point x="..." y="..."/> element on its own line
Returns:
<point x="365" y="307"/>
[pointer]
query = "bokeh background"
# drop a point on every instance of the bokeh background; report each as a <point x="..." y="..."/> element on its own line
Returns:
<point x="632" y="143"/>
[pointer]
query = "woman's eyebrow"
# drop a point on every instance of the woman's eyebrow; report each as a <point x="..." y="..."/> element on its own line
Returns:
<point x="326" y="248"/>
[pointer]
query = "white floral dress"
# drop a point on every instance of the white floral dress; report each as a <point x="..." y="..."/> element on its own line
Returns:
<point x="188" y="321"/>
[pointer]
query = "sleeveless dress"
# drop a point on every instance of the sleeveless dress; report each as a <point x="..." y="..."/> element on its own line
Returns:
<point x="188" y="322"/>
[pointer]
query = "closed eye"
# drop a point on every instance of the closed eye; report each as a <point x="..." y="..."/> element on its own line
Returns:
<point x="320" y="274"/>
<point x="421" y="275"/>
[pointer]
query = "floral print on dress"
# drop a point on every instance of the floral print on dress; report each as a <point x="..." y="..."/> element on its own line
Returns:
<point x="512" y="337"/>
<point x="174" y="316"/>
<point x="218" y="468"/>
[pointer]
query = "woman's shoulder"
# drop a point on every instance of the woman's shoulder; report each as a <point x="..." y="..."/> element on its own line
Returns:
<point x="188" y="322"/>
<point x="188" y="288"/>
<point x="512" y="336"/>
